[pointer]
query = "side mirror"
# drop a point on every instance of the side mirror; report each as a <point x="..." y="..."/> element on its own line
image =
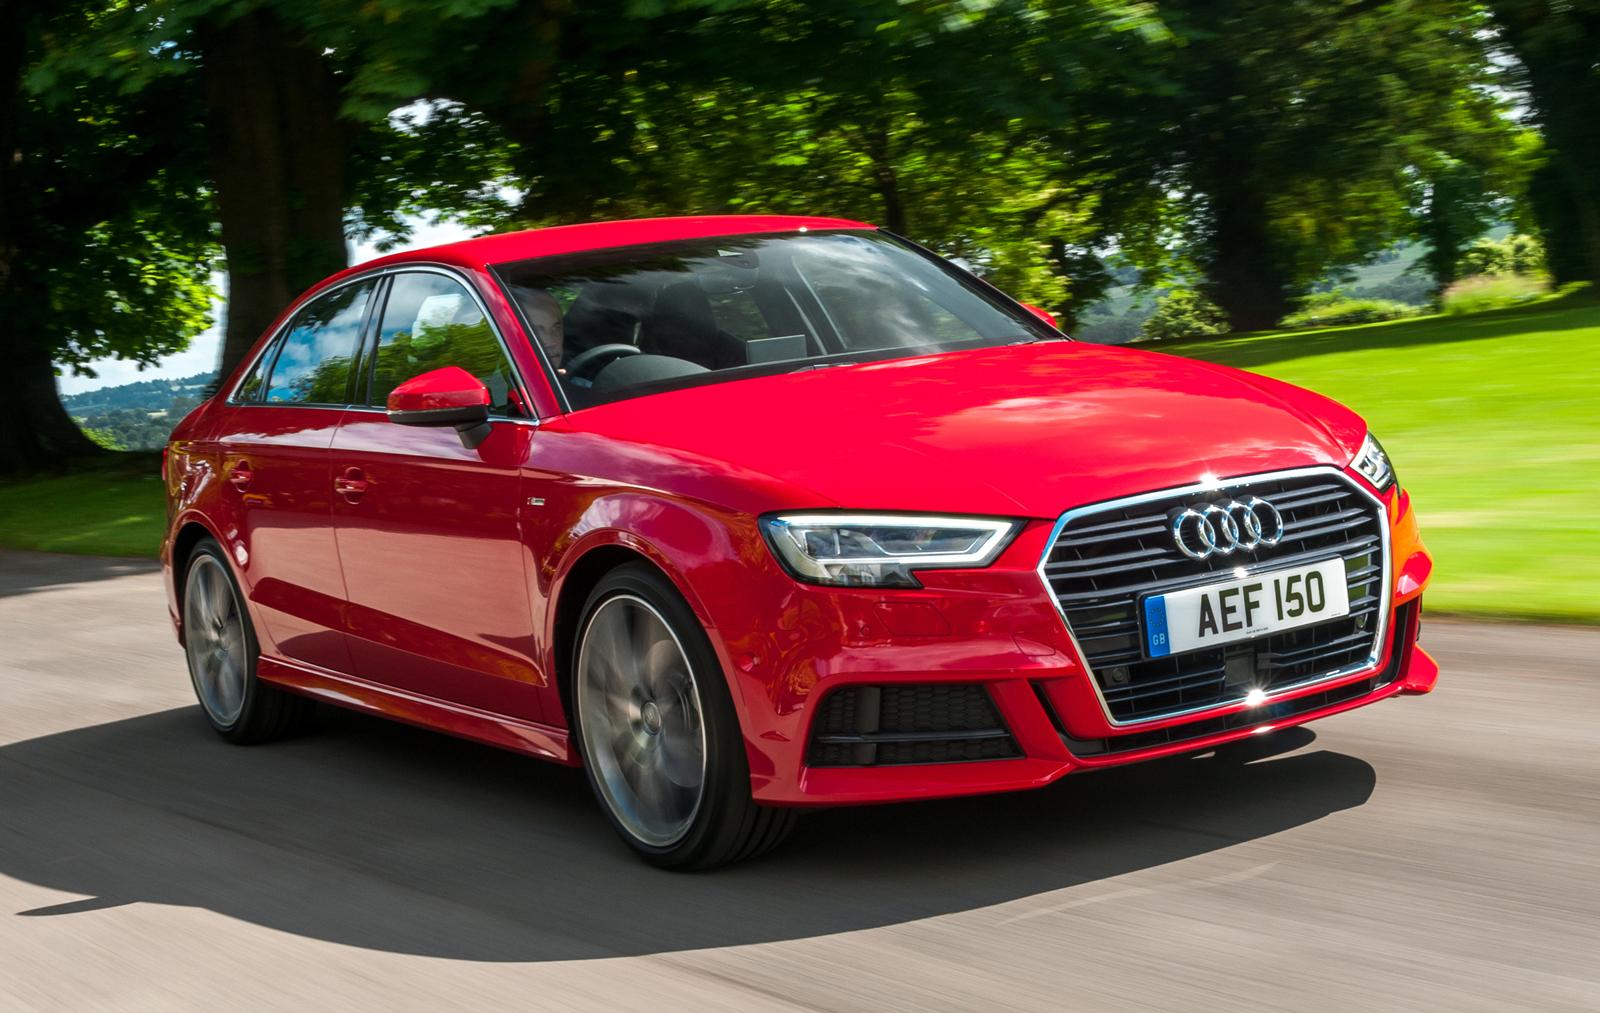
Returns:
<point x="1042" y="314"/>
<point x="444" y="397"/>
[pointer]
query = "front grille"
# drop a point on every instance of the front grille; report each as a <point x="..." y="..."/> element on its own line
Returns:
<point x="1107" y="558"/>
<point x="860" y="726"/>
<point x="1404" y="626"/>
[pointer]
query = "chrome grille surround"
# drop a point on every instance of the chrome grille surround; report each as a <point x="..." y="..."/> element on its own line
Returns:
<point x="1223" y="568"/>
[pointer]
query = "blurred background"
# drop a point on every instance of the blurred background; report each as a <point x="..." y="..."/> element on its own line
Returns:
<point x="1397" y="204"/>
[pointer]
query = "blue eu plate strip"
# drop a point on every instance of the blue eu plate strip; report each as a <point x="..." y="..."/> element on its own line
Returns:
<point x="1155" y="626"/>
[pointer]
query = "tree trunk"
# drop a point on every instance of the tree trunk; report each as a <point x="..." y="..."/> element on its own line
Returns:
<point x="886" y="179"/>
<point x="1572" y="133"/>
<point x="11" y="64"/>
<point x="279" y="151"/>
<point x="1554" y="212"/>
<point x="1225" y="142"/>
<point x="35" y="430"/>
<point x="1557" y="51"/>
<point x="1244" y="276"/>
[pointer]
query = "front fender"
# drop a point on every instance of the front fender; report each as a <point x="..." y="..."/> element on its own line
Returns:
<point x="701" y="550"/>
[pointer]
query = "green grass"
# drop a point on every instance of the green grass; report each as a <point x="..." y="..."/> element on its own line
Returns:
<point x="1493" y="423"/>
<point x="113" y="507"/>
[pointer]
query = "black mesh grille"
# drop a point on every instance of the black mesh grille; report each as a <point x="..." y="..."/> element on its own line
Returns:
<point x="931" y="723"/>
<point x="1105" y="561"/>
<point x="1404" y="629"/>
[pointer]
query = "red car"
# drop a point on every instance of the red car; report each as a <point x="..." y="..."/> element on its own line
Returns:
<point x="748" y="514"/>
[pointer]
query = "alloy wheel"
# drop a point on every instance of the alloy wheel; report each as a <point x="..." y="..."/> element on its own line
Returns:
<point x="215" y="641"/>
<point x="640" y="720"/>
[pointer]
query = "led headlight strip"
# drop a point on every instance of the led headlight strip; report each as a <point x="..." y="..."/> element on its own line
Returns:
<point x="881" y="550"/>
<point x="1373" y="464"/>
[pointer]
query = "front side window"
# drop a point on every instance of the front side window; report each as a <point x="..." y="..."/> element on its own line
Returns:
<point x="636" y="320"/>
<point x="430" y="321"/>
<point x="312" y="364"/>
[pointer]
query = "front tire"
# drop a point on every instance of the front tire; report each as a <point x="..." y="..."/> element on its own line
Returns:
<point x="657" y="729"/>
<point x="220" y="645"/>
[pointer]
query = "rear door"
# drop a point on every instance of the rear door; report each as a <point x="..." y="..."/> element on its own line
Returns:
<point x="427" y="529"/>
<point x="273" y="454"/>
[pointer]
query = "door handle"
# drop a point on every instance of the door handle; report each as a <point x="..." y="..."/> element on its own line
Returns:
<point x="351" y="484"/>
<point x="239" y="475"/>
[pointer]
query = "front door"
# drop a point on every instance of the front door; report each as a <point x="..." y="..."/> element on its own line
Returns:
<point x="433" y="560"/>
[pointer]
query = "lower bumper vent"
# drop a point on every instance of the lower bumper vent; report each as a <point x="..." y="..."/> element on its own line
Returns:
<point x="863" y="726"/>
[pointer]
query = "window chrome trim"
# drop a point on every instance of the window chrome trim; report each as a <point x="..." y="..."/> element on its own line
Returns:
<point x="378" y="274"/>
<point x="1385" y="604"/>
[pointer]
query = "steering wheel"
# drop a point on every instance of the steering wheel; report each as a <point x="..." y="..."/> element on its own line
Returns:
<point x="584" y="365"/>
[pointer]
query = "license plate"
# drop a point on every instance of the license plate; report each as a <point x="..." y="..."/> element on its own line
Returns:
<point x="1245" y="607"/>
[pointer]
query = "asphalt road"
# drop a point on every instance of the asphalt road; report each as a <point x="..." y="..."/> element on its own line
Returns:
<point x="1427" y="853"/>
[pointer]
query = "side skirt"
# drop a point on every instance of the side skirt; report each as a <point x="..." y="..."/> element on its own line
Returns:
<point x="527" y="737"/>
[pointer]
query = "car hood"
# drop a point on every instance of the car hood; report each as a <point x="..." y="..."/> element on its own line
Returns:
<point x="1025" y="430"/>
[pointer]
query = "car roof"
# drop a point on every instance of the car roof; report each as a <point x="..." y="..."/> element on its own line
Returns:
<point x="508" y="247"/>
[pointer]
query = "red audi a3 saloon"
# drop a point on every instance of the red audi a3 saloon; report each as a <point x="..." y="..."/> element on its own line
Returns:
<point x="749" y="514"/>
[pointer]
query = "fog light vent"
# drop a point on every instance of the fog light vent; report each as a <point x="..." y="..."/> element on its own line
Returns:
<point x="861" y="726"/>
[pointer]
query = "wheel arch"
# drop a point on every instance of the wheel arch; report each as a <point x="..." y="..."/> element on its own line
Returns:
<point x="585" y="565"/>
<point x="574" y="589"/>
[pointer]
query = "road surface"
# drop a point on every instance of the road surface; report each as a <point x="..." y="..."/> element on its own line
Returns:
<point x="1426" y="853"/>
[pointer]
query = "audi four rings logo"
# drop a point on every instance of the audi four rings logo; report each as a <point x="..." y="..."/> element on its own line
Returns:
<point x="1220" y="529"/>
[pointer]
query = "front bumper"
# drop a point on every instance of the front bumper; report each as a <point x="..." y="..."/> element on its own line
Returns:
<point x="997" y="629"/>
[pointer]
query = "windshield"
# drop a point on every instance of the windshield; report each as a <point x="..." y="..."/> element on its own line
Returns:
<point x="637" y="320"/>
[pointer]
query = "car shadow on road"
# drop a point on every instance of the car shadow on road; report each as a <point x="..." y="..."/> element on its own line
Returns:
<point x="26" y="572"/>
<point x="390" y="838"/>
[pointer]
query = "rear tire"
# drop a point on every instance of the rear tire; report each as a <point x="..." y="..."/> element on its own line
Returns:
<point x="220" y="644"/>
<point x="658" y="732"/>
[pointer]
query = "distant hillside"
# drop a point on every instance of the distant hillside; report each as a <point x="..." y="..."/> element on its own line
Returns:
<point x="149" y="395"/>
<point x="139" y="415"/>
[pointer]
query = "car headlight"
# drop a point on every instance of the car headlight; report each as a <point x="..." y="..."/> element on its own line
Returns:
<point x="1373" y="464"/>
<point x="880" y="550"/>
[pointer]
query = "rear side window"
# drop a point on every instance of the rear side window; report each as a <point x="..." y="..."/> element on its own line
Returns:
<point x="250" y="387"/>
<point x="430" y="321"/>
<point x="313" y="360"/>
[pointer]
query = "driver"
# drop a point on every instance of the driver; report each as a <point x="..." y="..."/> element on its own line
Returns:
<point x="544" y="314"/>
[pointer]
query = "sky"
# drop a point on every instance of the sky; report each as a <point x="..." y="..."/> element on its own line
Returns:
<point x="201" y="355"/>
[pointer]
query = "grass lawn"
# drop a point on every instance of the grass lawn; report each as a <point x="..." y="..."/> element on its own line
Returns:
<point x="110" y="508"/>
<point x="1493" y="424"/>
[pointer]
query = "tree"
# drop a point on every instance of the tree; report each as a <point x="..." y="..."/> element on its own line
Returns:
<point x="105" y="244"/>
<point x="279" y="149"/>
<point x="1557" y="50"/>
<point x="1515" y="254"/>
<point x="295" y="95"/>
<point x="1297" y="129"/>
<point x="977" y="130"/>
<point x="1457" y="208"/>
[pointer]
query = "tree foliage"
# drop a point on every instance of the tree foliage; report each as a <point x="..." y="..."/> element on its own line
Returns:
<point x="1515" y="254"/>
<point x="1185" y="313"/>
<point x="1250" y="149"/>
<point x="1298" y="129"/>
<point x="105" y="233"/>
